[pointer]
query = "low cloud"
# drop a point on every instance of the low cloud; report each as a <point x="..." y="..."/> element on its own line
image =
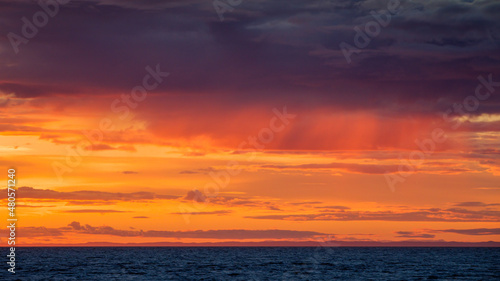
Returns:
<point x="474" y="204"/>
<point x="474" y="231"/>
<point x="206" y="234"/>
<point x="410" y="234"/>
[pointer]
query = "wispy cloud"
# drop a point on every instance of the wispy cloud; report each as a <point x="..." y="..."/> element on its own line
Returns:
<point x="473" y="231"/>
<point x="411" y="234"/>
<point x="448" y="215"/>
<point x="475" y="204"/>
<point x="89" y="211"/>
<point x="220" y="212"/>
<point x="88" y="195"/>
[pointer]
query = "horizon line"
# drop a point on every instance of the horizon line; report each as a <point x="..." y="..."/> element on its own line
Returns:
<point x="329" y="244"/>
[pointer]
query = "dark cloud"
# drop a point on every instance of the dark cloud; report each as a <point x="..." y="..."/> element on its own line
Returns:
<point x="30" y="91"/>
<point x="474" y="231"/>
<point x="207" y="234"/>
<point x="410" y="234"/>
<point x="195" y="195"/>
<point x="426" y="58"/>
<point x="34" y="231"/>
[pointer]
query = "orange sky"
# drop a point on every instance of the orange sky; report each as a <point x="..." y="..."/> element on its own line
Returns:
<point x="134" y="122"/>
<point x="185" y="185"/>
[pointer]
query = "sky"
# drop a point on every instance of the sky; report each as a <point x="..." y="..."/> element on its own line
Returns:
<point x="249" y="121"/>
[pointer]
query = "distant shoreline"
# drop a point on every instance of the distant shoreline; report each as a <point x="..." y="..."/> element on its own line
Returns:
<point x="334" y="244"/>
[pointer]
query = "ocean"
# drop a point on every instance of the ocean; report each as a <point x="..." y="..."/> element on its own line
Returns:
<point x="254" y="263"/>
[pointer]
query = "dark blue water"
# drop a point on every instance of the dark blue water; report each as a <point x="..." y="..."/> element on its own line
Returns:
<point x="201" y="263"/>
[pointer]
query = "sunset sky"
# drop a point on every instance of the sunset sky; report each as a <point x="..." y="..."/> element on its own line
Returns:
<point x="167" y="121"/>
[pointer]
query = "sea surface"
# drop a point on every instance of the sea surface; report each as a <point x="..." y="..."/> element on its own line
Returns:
<point x="254" y="263"/>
